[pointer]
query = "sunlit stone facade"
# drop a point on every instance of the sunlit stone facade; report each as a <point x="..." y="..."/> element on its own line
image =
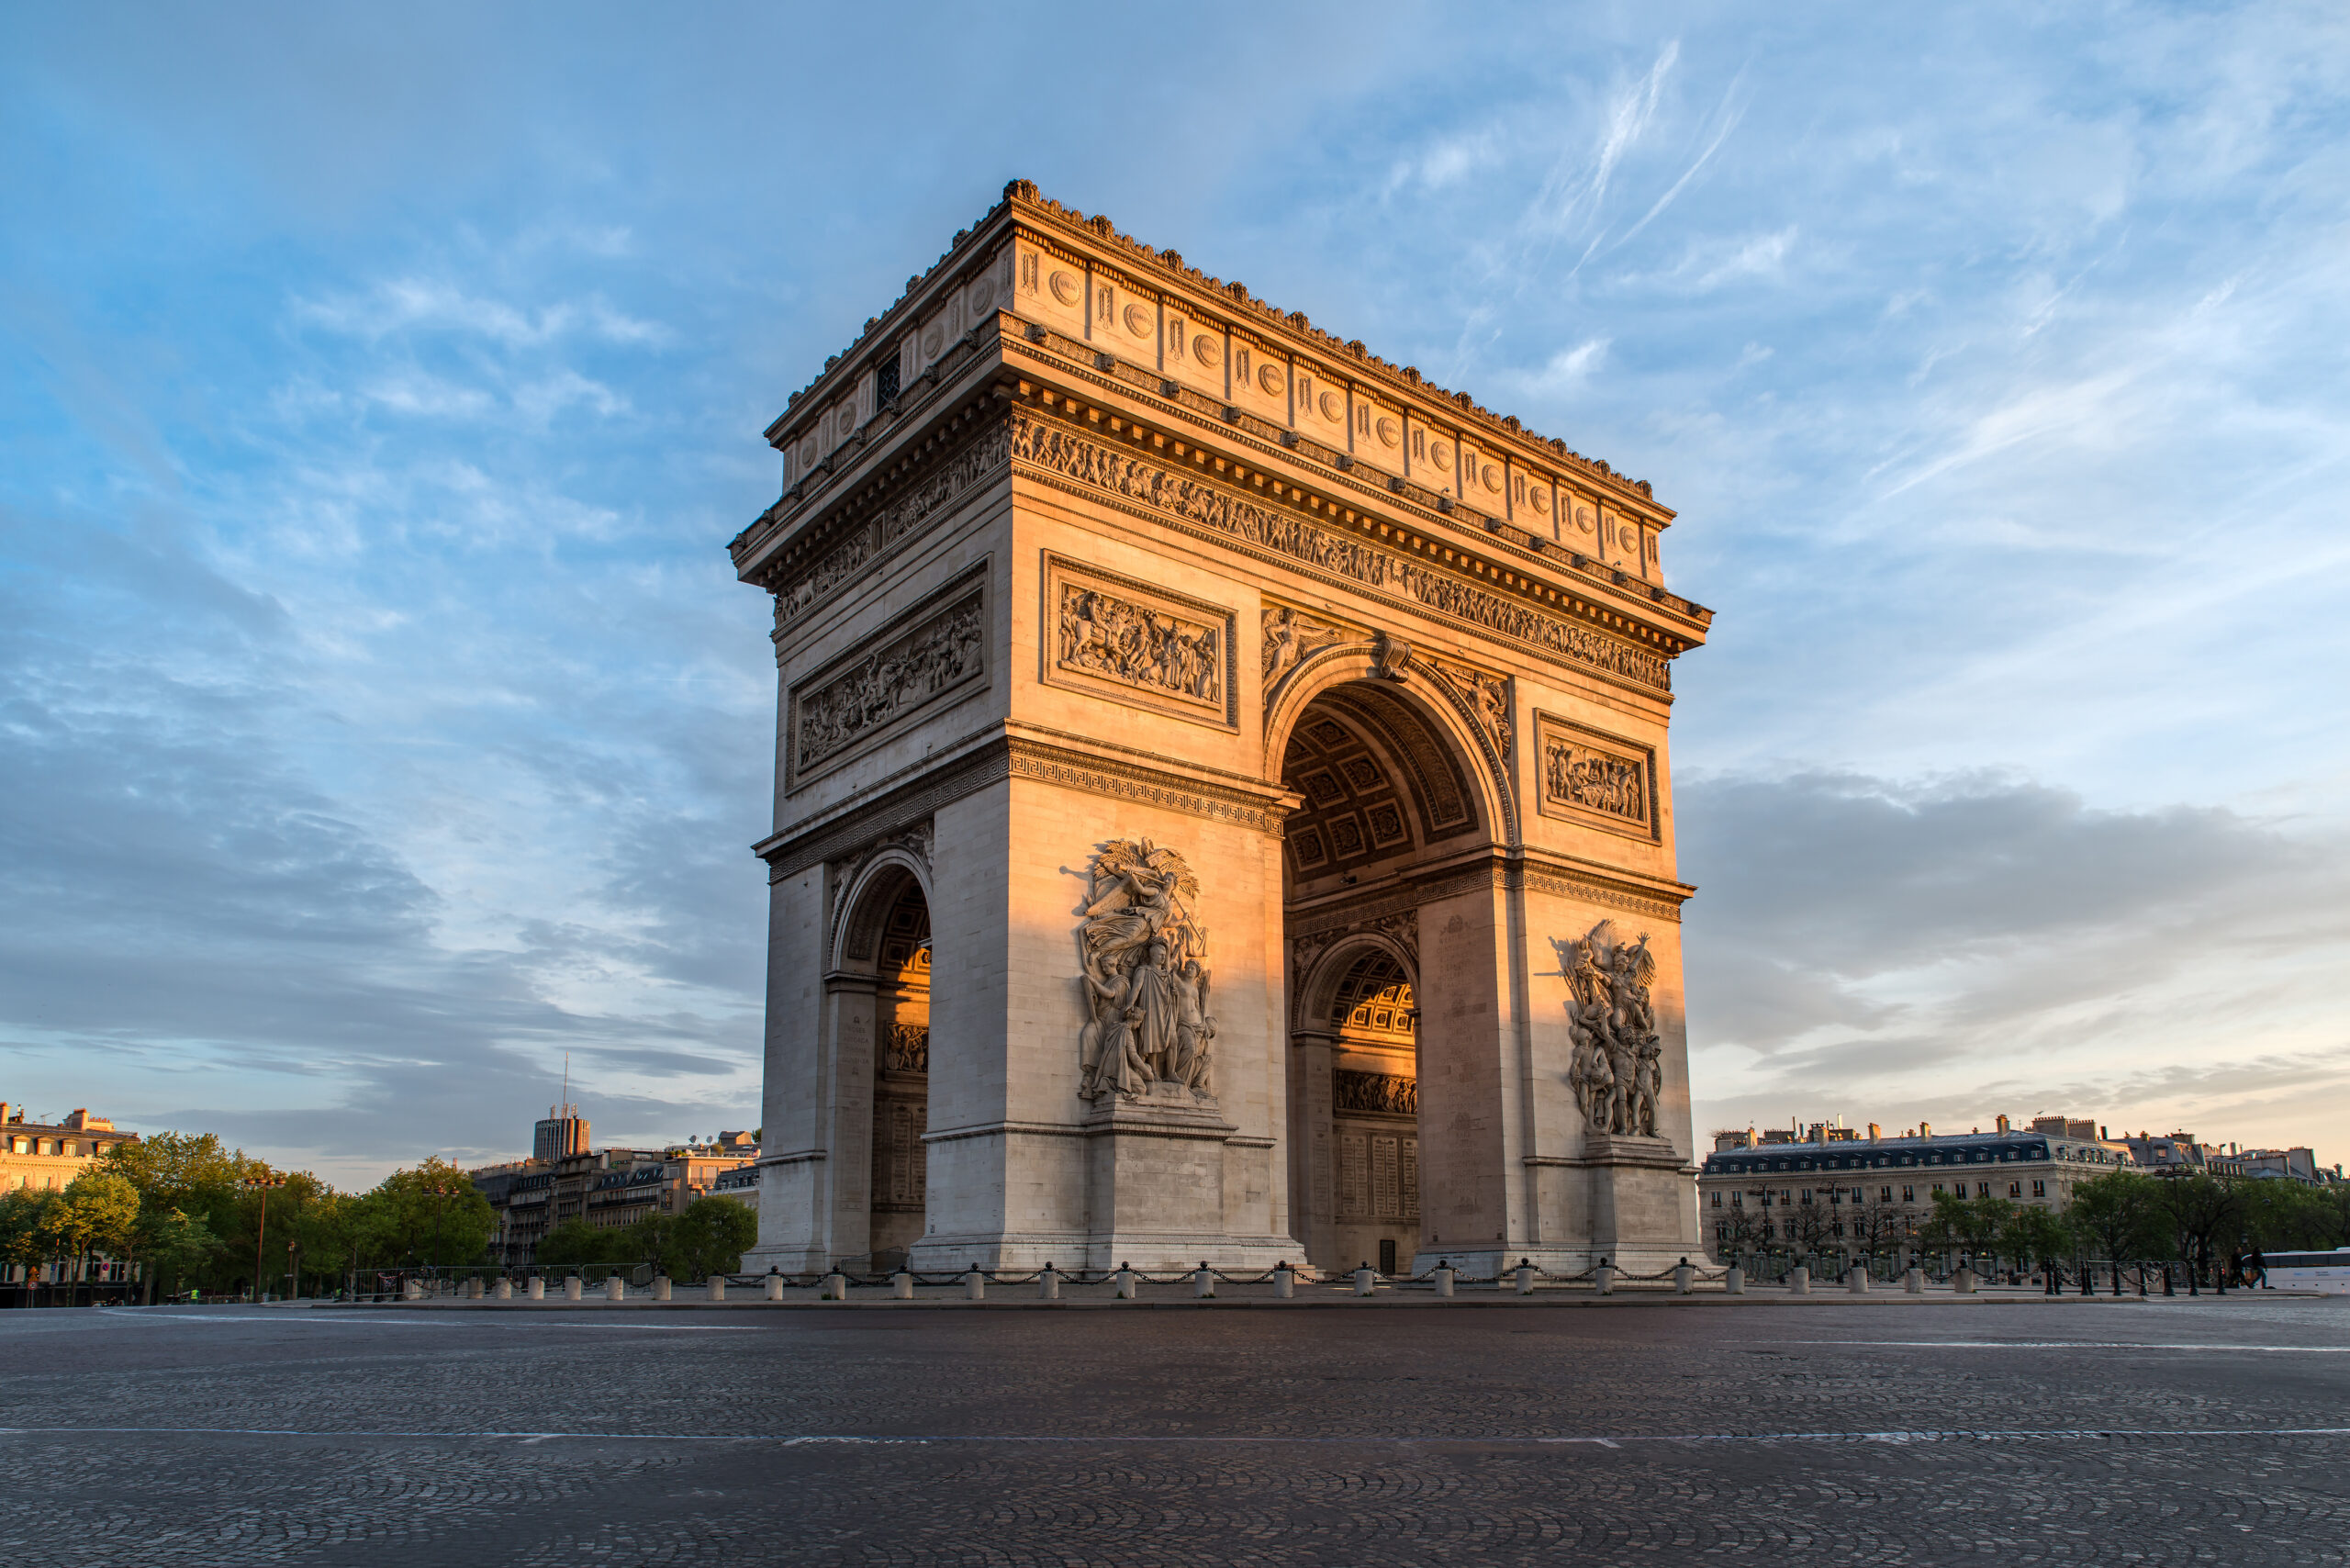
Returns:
<point x="1222" y="807"/>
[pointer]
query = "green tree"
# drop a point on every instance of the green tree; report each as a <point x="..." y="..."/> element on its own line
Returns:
<point x="2114" y="1216"/>
<point x="174" y="1245"/>
<point x="710" y="1237"/>
<point x="2196" y="1214"/>
<point x="430" y="1215"/>
<point x="97" y="1212"/>
<point x="576" y="1244"/>
<point x="25" y="1239"/>
<point x="2033" y="1238"/>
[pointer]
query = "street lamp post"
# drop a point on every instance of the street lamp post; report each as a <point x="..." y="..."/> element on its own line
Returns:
<point x="262" y="1185"/>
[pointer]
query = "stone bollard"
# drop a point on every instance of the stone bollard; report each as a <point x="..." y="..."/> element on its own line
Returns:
<point x="1734" y="1280"/>
<point x="1443" y="1278"/>
<point x="1963" y="1282"/>
<point x="574" y="1288"/>
<point x="1525" y="1272"/>
<point x="1684" y="1278"/>
<point x="1602" y="1278"/>
<point x="1856" y="1280"/>
<point x="1049" y="1285"/>
<point x="1799" y="1281"/>
<point x="413" y="1290"/>
<point x="1127" y="1287"/>
<point x="775" y="1287"/>
<point x="660" y="1287"/>
<point x="1284" y="1281"/>
<point x="1363" y="1277"/>
<point x="1203" y="1281"/>
<point x="537" y="1289"/>
<point x="833" y="1287"/>
<point x="505" y="1289"/>
<point x="716" y="1287"/>
<point x="472" y="1289"/>
<point x="1914" y="1281"/>
<point x="974" y="1285"/>
<point x="615" y="1289"/>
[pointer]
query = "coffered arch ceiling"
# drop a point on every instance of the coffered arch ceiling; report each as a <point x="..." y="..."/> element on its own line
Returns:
<point x="1373" y="997"/>
<point x="1379" y="780"/>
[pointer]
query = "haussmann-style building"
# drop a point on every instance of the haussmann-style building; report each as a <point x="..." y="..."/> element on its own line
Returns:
<point x="1221" y="803"/>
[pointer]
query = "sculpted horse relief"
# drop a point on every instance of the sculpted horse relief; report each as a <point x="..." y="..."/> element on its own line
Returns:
<point x="1143" y="959"/>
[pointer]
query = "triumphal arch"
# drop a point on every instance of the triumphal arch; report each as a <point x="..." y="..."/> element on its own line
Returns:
<point x="1222" y="806"/>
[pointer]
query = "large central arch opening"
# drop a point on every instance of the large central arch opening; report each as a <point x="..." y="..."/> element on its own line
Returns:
<point x="1383" y="792"/>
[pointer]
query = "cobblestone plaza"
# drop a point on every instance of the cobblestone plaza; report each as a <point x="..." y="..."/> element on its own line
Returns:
<point x="1889" y="1429"/>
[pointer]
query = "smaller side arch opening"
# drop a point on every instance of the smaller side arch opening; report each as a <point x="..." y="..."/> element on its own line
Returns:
<point x="1358" y="1057"/>
<point x="880" y="1001"/>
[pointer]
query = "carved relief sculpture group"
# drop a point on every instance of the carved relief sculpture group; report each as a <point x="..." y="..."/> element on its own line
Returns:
<point x="1143" y="958"/>
<point x="1595" y="780"/>
<point x="1126" y="642"/>
<point x="1616" y="1070"/>
<point x="908" y="671"/>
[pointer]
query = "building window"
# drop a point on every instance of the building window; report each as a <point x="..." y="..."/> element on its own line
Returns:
<point x="2039" y="1189"/>
<point x="1885" y="1196"/>
<point x="1718" y="1200"/>
<point x="2015" y="1189"/>
<point x="1982" y="1189"/>
<point x="1806" y="1194"/>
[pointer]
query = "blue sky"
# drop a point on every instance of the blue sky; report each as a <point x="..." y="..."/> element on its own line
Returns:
<point x="379" y="719"/>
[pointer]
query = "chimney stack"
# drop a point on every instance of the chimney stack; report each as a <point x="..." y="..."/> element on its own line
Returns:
<point x="2003" y="1124"/>
<point x="1873" y="1135"/>
<point x="1925" y="1130"/>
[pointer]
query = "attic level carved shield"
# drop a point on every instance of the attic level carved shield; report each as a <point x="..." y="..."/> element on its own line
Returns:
<point x="1253" y="732"/>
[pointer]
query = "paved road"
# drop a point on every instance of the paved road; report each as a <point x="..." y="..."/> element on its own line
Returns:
<point x="1940" y="1431"/>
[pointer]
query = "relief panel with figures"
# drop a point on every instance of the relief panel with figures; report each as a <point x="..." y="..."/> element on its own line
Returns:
<point x="1110" y="636"/>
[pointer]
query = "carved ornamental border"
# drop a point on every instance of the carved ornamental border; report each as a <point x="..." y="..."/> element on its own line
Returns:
<point x="1505" y="876"/>
<point x="1073" y="461"/>
<point x="1208" y="693"/>
<point x="1592" y="778"/>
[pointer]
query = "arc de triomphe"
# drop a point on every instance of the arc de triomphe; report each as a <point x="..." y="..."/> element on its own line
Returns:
<point x="1222" y="808"/>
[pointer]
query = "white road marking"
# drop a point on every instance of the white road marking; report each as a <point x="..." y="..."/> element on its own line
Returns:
<point x="1089" y="1439"/>
<point x="2068" y="1345"/>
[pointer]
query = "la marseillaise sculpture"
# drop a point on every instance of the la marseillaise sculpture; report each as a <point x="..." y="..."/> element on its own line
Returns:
<point x="1222" y="801"/>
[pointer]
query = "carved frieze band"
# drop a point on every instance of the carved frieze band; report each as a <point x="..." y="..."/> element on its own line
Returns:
<point x="1373" y="1093"/>
<point x="1113" y="637"/>
<point x="1075" y="772"/>
<point x="1206" y="506"/>
<point x="843" y="708"/>
<point x="1345" y="916"/>
<point x="1588" y="775"/>
<point x="872" y="538"/>
<point x="787" y="856"/>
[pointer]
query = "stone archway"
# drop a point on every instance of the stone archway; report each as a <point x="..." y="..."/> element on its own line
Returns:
<point x="1388" y="794"/>
<point x="1354" y="1070"/>
<point x="877" y="991"/>
<point x="1083" y="560"/>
